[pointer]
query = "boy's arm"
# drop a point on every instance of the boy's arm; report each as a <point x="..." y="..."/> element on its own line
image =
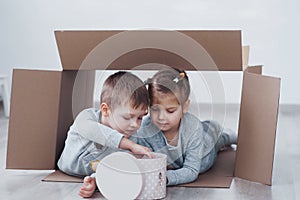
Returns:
<point x="87" y="125"/>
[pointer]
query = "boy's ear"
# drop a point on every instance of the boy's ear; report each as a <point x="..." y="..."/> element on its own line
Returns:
<point x="104" y="109"/>
<point x="186" y="106"/>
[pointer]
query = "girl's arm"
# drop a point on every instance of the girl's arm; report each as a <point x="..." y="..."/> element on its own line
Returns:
<point x="191" y="164"/>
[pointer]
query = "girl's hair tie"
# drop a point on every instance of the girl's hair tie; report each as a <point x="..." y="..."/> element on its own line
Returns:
<point x="180" y="77"/>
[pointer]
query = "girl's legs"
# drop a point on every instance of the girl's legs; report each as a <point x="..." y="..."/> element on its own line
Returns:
<point x="217" y="139"/>
<point x="222" y="137"/>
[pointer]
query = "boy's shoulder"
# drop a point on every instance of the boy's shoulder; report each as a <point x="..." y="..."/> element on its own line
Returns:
<point x="93" y="111"/>
<point x="88" y="114"/>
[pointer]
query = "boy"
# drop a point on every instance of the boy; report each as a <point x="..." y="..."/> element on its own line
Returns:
<point x="123" y="103"/>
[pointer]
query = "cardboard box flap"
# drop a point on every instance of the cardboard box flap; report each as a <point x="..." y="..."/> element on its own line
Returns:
<point x="33" y="119"/>
<point x="193" y="50"/>
<point x="254" y="69"/>
<point x="257" y="126"/>
<point x="44" y="104"/>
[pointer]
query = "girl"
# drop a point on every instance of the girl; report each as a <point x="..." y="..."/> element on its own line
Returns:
<point x="191" y="145"/>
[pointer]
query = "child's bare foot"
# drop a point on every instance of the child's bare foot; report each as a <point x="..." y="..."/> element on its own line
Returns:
<point x="88" y="187"/>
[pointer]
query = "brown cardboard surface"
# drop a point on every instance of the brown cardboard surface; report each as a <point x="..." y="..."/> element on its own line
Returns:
<point x="257" y="127"/>
<point x="33" y="119"/>
<point x="65" y="116"/>
<point x="76" y="94"/>
<point x="83" y="91"/>
<point x="42" y="113"/>
<point x="59" y="176"/>
<point x="219" y="176"/>
<point x="224" y="47"/>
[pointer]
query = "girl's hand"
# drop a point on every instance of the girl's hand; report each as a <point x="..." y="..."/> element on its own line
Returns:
<point x="88" y="187"/>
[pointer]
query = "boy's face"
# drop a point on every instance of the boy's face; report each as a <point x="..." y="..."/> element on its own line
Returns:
<point x="166" y="112"/>
<point x="125" y="119"/>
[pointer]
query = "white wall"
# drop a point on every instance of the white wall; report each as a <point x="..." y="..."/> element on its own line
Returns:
<point x="271" y="29"/>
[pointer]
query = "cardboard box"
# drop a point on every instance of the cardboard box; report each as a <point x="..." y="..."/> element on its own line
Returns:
<point x="44" y="103"/>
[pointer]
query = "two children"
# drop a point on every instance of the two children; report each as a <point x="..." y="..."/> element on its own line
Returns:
<point x="191" y="145"/>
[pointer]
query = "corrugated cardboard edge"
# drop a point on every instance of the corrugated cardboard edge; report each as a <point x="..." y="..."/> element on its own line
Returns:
<point x="245" y="54"/>
<point x="257" y="126"/>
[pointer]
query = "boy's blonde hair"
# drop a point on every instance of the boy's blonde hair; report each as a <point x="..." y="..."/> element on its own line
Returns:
<point x="170" y="81"/>
<point x="123" y="87"/>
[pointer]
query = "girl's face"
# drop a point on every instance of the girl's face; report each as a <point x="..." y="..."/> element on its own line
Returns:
<point x="166" y="112"/>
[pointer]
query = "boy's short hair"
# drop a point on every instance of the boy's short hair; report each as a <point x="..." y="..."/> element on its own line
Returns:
<point x="170" y="81"/>
<point x="123" y="87"/>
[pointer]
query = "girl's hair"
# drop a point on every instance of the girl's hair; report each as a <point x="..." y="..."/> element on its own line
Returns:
<point x="124" y="87"/>
<point x="170" y="81"/>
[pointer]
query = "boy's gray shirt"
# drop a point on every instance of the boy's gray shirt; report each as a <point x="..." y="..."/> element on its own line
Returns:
<point x="87" y="140"/>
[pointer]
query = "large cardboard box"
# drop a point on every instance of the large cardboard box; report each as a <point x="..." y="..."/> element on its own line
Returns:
<point x="44" y="103"/>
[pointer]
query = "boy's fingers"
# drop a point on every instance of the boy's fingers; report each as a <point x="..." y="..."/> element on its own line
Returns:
<point x="150" y="155"/>
<point x="85" y="189"/>
<point x="148" y="149"/>
<point x="85" y="193"/>
<point x="86" y="179"/>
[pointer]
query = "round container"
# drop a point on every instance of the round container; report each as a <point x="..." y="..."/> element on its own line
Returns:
<point x="123" y="175"/>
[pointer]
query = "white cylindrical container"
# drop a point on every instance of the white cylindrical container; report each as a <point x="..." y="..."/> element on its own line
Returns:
<point x="122" y="175"/>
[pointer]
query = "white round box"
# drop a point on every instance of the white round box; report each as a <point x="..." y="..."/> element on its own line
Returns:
<point x="123" y="175"/>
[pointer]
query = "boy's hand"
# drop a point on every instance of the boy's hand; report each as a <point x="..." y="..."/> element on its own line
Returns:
<point x="88" y="187"/>
<point x="139" y="149"/>
<point x="134" y="147"/>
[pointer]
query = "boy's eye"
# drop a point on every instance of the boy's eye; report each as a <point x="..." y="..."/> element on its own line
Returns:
<point x="171" y="111"/>
<point x="127" y="118"/>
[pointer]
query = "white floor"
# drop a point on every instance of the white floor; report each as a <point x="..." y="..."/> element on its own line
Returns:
<point x="18" y="184"/>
